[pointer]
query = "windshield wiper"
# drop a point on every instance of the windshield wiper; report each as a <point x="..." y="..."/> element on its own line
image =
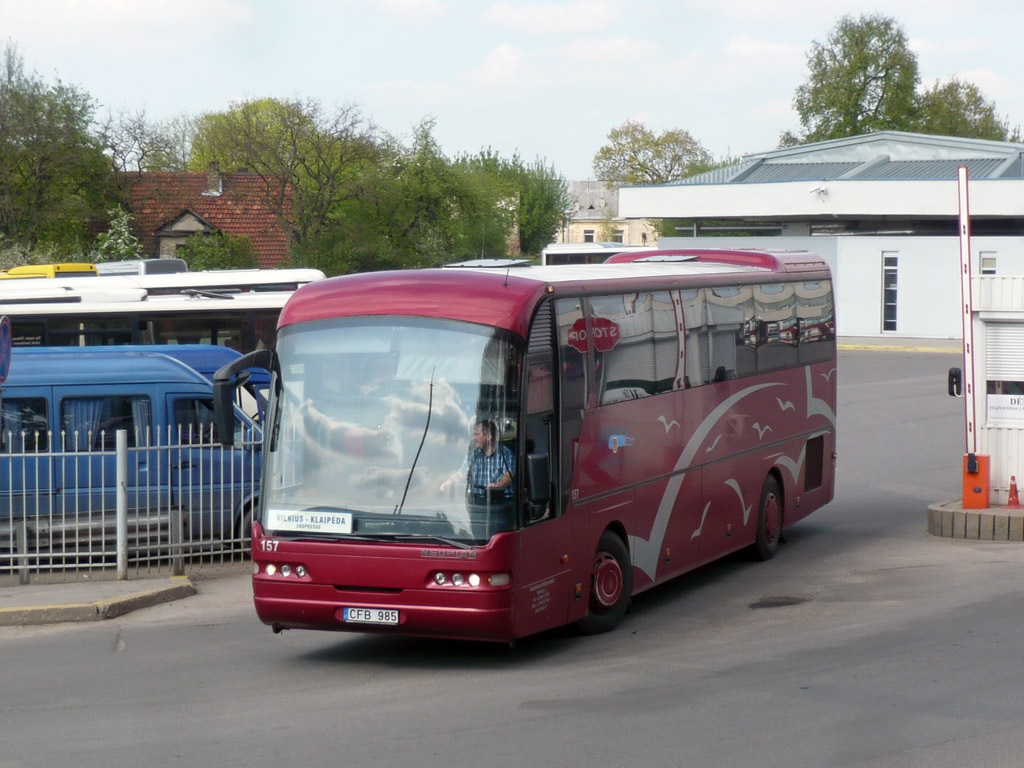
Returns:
<point x="297" y="535"/>
<point x="423" y="439"/>
<point x="421" y="537"/>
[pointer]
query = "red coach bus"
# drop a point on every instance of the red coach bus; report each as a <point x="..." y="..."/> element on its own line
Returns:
<point x="641" y="419"/>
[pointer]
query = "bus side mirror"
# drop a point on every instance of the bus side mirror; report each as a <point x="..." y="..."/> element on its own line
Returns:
<point x="225" y="381"/>
<point x="538" y="481"/>
<point x="955" y="382"/>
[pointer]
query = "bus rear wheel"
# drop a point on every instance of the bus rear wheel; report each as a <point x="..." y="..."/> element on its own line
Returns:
<point x="769" y="521"/>
<point x="611" y="584"/>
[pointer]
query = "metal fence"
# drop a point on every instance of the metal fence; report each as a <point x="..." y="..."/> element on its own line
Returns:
<point x="153" y="503"/>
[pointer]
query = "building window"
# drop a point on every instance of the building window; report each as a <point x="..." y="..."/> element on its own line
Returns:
<point x="988" y="262"/>
<point x="889" y="281"/>
<point x="618" y="236"/>
<point x="588" y="235"/>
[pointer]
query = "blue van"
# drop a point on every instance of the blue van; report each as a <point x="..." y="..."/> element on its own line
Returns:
<point x="61" y="409"/>
<point x="205" y="359"/>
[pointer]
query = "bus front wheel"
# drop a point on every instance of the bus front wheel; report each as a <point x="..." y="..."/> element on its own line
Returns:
<point x="769" y="520"/>
<point x="611" y="584"/>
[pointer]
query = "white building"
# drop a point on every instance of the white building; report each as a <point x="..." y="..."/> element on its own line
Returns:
<point x="882" y="209"/>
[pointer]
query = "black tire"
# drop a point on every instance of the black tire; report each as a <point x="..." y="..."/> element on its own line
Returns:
<point x="769" y="521"/>
<point x="611" y="585"/>
<point x="242" y="528"/>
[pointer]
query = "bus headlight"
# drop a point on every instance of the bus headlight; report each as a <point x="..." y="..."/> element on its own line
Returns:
<point x="474" y="580"/>
<point x="499" y="579"/>
<point x="457" y="579"/>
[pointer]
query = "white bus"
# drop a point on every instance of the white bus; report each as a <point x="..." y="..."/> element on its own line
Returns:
<point x="236" y="308"/>
<point x="586" y="253"/>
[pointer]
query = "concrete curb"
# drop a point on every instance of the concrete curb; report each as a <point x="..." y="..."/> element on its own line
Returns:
<point x="108" y="608"/>
<point x="949" y="520"/>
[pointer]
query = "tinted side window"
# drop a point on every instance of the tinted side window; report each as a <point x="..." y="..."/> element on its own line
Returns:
<point x="91" y="423"/>
<point x="24" y="427"/>
<point x="817" y="321"/>
<point x="696" y="336"/>
<point x="621" y="334"/>
<point x="572" y="388"/>
<point x="775" y="305"/>
<point x="733" y="332"/>
<point x="193" y="421"/>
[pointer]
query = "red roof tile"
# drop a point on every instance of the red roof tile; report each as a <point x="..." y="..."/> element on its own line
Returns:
<point x="242" y="209"/>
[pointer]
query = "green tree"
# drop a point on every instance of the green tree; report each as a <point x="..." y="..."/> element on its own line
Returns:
<point x="118" y="243"/>
<point x="957" y="108"/>
<point x="298" y="149"/>
<point x="863" y="78"/>
<point x="54" y="177"/>
<point x="544" y="198"/>
<point x="134" y="143"/>
<point x="217" y="251"/>
<point x="535" y="193"/>
<point x="636" y="155"/>
<point x="414" y="208"/>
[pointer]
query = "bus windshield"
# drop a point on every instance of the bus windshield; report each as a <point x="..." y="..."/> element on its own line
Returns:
<point x="374" y="431"/>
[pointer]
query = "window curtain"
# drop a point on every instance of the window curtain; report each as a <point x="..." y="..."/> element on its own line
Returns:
<point x="80" y="421"/>
<point x="141" y="418"/>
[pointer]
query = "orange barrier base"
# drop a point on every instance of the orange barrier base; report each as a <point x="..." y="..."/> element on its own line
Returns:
<point x="976" y="484"/>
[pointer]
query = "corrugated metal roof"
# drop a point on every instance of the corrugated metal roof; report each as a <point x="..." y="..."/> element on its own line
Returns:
<point x="721" y="175"/>
<point x="799" y="172"/>
<point x="981" y="168"/>
<point x="880" y="156"/>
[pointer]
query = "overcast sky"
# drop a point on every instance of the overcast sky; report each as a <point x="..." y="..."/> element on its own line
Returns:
<point x="546" y="79"/>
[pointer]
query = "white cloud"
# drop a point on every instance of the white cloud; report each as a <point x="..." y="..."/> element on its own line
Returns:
<point x="775" y="111"/>
<point x="614" y="51"/>
<point x="992" y="84"/>
<point x="746" y="47"/>
<point x="554" y="18"/>
<point x="412" y="92"/>
<point x="121" y="29"/>
<point x="506" y="66"/>
<point x="412" y="11"/>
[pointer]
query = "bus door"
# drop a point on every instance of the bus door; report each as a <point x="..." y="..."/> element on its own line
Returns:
<point x="26" y="474"/>
<point x="544" y="591"/>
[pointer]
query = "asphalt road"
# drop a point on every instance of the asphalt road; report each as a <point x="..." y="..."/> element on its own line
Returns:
<point x="865" y="642"/>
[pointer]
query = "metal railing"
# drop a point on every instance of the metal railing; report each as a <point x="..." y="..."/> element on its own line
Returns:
<point x="167" y="503"/>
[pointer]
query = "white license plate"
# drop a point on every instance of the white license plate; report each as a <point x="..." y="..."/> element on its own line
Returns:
<point x="371" y="615"/>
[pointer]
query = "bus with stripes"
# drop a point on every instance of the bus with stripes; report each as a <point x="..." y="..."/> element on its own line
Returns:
<point x="488" y="451"/>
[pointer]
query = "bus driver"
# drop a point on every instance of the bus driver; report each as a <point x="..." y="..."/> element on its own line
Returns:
<point x="488" y="467"/>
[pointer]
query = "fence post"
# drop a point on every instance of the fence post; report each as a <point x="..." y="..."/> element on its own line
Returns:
<point x="122" y="504"/>
<point x="21" y="535"/>
<point x="176" y="513"/>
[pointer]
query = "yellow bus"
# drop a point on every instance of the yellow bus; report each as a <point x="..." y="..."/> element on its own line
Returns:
<point x="50" y="270"/>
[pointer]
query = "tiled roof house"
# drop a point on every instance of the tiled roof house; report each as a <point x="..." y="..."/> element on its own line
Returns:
<point x="168" y="206"/>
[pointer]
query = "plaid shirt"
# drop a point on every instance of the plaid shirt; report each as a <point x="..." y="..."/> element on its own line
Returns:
<point x="483" y="469"/>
